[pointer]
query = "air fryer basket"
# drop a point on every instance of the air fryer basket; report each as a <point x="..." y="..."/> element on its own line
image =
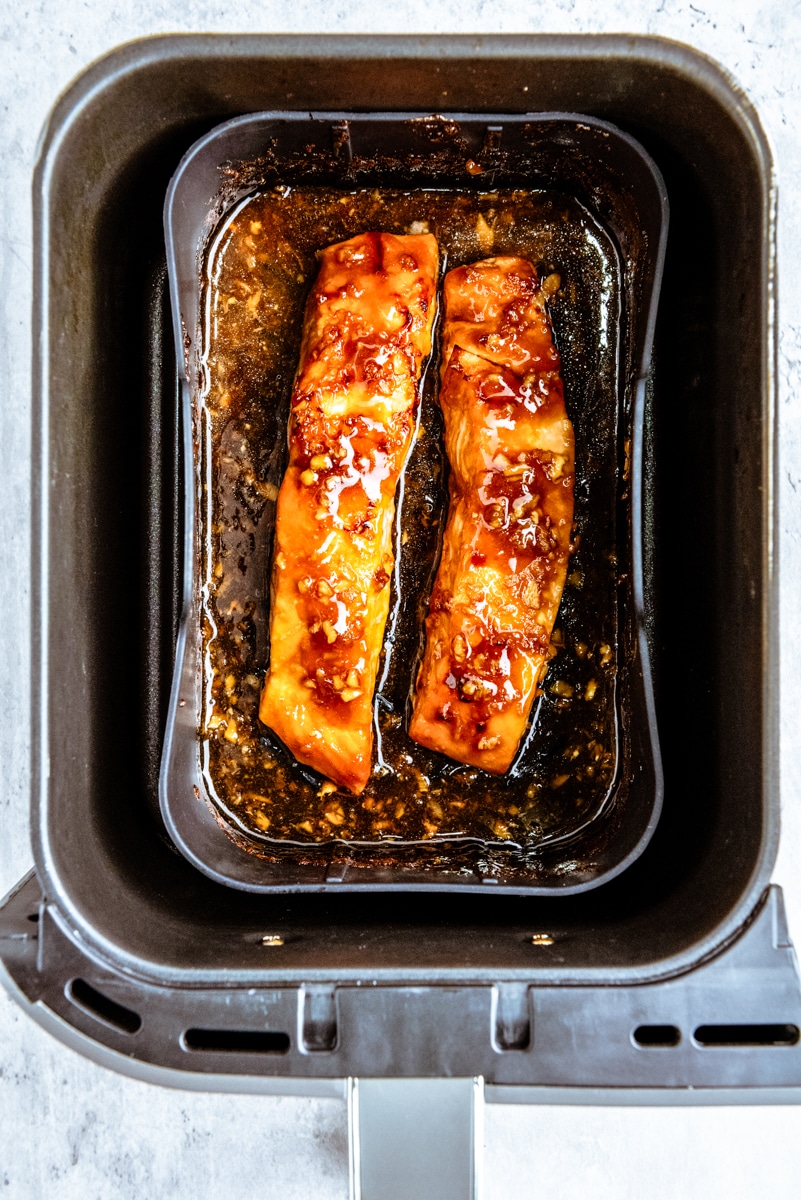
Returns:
<point x="615" y="184"/>
<point x="454" y="979"/>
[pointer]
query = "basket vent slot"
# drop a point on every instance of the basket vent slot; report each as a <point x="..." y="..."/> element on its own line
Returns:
<point x="103" y="1008"/>
<point x="237" y="1041"/>
<point x="657" y="1036"/>
<point x="747" y="1035"/>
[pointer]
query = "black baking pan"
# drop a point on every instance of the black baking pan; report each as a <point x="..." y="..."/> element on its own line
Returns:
<point x="594" y="210"/>
<point x="108" y="554"/>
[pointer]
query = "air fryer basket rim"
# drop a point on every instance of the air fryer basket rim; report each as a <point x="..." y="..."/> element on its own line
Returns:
<point x="130" y="59"/>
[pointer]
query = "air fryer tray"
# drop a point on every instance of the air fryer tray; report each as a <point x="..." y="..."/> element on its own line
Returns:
<point x="600" y="193"/>
<point x="124" y="947"/>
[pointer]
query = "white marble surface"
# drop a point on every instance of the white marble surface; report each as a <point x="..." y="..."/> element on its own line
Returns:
<point x="69" y="1129"/>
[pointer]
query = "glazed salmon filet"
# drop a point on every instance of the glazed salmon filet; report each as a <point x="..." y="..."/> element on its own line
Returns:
<point x="504" y="559"/>
<point x="366" y="337"/>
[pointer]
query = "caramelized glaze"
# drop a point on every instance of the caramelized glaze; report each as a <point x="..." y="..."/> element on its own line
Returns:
<point x="367" y="334"/>
<point x="504" y="560"/>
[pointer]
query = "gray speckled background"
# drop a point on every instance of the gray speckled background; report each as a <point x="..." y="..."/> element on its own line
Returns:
<point x="70" y="1129"/>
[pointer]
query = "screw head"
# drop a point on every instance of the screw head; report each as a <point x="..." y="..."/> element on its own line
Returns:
<point x="541" y="939"/>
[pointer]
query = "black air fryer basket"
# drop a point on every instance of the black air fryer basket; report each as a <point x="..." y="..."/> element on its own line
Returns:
<point x="673" y="980"/>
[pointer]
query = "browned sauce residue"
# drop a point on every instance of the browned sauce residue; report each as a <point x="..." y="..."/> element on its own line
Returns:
<point x="262" y="264"/>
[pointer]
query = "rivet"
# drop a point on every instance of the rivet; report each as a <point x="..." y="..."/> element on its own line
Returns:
<point x="541" y="939"/>
<point x="272" y="939"/>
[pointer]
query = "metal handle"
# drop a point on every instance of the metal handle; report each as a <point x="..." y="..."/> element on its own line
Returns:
<point x="415" y="1139"/>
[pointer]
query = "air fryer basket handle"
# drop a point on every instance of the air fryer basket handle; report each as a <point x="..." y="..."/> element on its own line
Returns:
<point x="417" y="1138"/>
